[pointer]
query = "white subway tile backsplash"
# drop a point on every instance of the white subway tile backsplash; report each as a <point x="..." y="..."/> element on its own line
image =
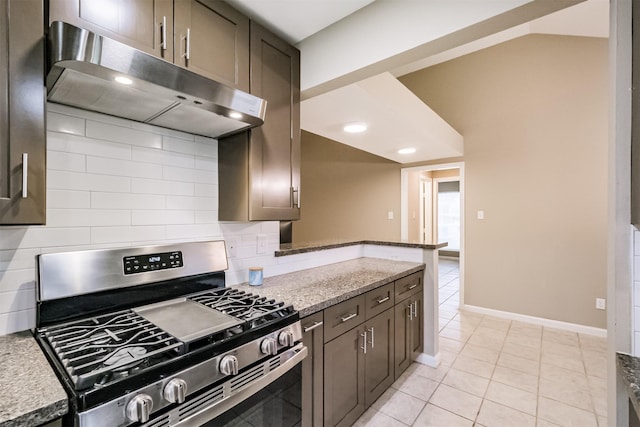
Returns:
<point x="15" y="280"/>
<point x="18" y="259"/>
<point x="65" y="124"/>
<point x="121" y="134"/>
<point x="148" y="217"/>
<point x="208" y="149"/>
<point x="206" y="217"/>
<point x="17" y="321"/>
<point x="87" y="217"/>
<point x="206" y="140"/>
<point x="127" y="234"/>
<point x="82" y="145"/>
<point x="189" y="175"/>
<point x="100" y="200"/>
<point x="161" y="131"/>
<point x="207" y="164"/>
<point x="23" y="299"/>
<point x="100" y="165"/>
<point x="151" y="155"/>
<point x="58" y="160"/>
<point x="90" y="115"/>
<point x="68" y="199"/>
<point x="193" y="231"/>
<point x="206" y="190"/>
<point x="197" y="203"/>
<point x="158" y="186"/>
<point x="63" y="180"/>
<point x="40" y="237"/>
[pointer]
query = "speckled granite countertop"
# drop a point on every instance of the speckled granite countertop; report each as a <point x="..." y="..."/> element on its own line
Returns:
<point x="30" y="393"/>
<point x="299" y="248"/>
<point x="629" y="369"/>
<point x="317" y="288"/>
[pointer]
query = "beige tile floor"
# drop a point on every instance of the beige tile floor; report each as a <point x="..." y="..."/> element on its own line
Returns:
<point x="497" y="372"/>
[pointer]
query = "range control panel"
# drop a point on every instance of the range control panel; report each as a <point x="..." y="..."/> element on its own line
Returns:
<point x="152" y="262"/>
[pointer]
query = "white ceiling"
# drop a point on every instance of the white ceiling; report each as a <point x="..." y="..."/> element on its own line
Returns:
<point x="351" y="48"/>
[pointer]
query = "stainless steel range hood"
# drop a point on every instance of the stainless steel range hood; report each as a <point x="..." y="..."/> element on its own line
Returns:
<point x="83" y="68"/>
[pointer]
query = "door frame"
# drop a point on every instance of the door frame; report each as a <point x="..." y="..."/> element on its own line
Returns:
<point x="404" y="208"/>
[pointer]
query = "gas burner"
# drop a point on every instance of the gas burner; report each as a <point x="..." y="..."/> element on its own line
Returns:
<point x="125" y="358"/>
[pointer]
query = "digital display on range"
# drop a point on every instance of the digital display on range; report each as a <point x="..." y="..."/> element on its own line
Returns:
<point x="145" y="263"/>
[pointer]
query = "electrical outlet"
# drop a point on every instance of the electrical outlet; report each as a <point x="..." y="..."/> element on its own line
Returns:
<point x="601" y="303"/>
<point x="262" y="244"/>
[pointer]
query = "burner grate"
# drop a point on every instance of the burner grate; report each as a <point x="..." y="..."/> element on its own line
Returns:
<point x="253" y="309"/>
<point x="100" y="349"/>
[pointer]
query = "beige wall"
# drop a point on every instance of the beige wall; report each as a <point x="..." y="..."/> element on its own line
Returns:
<point x="346" y="193"/>
<point x="533" y="112"/>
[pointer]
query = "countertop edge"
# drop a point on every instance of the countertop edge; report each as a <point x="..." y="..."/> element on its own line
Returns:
<point x="629" y="369"/>
<point x="285" y="251"/>
<point x="39" y="416"/>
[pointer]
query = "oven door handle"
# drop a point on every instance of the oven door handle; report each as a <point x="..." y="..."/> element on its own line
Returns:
<point x="209" y="413"/>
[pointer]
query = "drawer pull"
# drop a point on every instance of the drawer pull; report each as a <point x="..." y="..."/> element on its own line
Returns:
<point x="348" y="317"/>
<point x="385" y="299"/>
<point x="413" y="286"/>
<point x="312" y="327"/>
<point x="364" y="347"/>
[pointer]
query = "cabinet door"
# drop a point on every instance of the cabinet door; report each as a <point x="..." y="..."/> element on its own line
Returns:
<point x="275" y="146"/>
<point x="212" y="39"/>
<point x="344" y="378"/>
<point x="312" y="370"/>
<point x="379" y="359"/>
<point x="146" y="25"/>
<point x="402" y="352"/>
<point x="22" y="113"/>
<point x="417" y="325"/>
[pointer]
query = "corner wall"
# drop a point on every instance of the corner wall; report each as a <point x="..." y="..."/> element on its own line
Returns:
<point x="533" y="112"/>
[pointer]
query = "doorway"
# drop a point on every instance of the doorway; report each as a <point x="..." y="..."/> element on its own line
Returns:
<point x="432" y="206"/>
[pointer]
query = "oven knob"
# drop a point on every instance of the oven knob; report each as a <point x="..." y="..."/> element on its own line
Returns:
<point x="175" y="391"/>
<point x="229" y="365"/>
<point x="139" y="408"/>
<point x="286" y="338"/>
<point x="269" y="346"/>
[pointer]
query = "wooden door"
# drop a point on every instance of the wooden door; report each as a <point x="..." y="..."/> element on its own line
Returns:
<point x="379" y="360"/>
<point x="146" y="25"/>
<point x="402" y="328"/>
<point x="275" y="146"/>
<point x="212" y="39"/>
<point x="312" y="370"/>
<point x="344" y="378"/>
<point x="22" y="113"/>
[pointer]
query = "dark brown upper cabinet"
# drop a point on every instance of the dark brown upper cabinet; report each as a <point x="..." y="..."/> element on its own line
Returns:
<point x="22" y="113"/>
<point x="259" y="171"/>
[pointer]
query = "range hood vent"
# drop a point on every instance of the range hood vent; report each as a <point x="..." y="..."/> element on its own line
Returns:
<point x="83" y="67"/>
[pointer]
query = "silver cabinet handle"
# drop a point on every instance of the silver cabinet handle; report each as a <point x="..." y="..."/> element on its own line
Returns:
<point x="372" y="342"/>
<point x="25" y="174"/>
<point x="312" y="327"/>
<point x="381" y="300"/>
<point x="413" y="286"/>
<point x="163" y="34"/>
<point x="348" y="317"/>
<point x="295" y="191"/>
<point x="364" y="347"/>
<point x="187" y="54"/>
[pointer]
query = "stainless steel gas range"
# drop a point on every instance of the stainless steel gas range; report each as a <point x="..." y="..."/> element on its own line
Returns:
<point x="152" y="336"/>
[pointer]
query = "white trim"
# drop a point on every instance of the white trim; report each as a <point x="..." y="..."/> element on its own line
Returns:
<point x="557" y="324"/>
<point x="427" y="359"/>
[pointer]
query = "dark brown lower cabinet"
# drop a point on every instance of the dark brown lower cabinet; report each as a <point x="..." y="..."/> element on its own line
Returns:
<point x="408" y="332"/>
<point x="312" y="370"/>
<point x="358" y="368"/>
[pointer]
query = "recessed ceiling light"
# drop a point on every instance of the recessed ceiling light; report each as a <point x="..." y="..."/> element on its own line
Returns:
<point x="355" y="127"/>
<point x="409" y="150"/>
<point x="235" y="115"/>
<point x="123" y="80"/>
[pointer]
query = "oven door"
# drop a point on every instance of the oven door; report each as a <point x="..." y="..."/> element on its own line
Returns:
<point x="268" y="394"/>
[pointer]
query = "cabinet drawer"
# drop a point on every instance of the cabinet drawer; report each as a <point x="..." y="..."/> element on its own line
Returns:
<point x="378" y="300"/>
<point x="408" y="285"/>
<point x="344" y="316"/>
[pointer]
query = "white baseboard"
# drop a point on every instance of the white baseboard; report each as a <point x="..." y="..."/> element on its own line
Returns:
<point x="429" y="360"/>
<point x="573" y="327"/>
